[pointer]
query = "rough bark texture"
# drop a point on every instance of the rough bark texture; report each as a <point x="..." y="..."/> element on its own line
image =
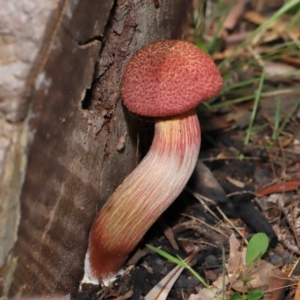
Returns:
<point x="66" y="142"/>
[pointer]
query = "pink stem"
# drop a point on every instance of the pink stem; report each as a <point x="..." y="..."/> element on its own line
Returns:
<point x="145" y="194"/>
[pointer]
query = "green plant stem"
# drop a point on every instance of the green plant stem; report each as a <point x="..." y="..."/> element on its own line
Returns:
<point x="186" y="266"/>
<point x="248" y="98"/>
<point x="255" y="106"/>
<point x="277" y="119"/>
<point x="286" y="7"/>
<point x="289" y="116"/>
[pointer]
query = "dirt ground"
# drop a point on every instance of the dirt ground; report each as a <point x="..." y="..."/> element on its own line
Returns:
<point x="247" y="178"/>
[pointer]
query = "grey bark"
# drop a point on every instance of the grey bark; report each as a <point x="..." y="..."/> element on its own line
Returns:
<point x="65" y="140"/>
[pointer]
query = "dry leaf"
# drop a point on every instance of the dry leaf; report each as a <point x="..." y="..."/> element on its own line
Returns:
<point x="216" y="287"/>
<point x="265" y="5"/>
<point x="273" y="68"/>
<point x="161" y="290"/>
<point x="236" y="258"/>
<point x="278" y="281"/>
<point x="168" y="232"/>
<point x="261" y="273"/>
<point x="286" y="140"/>
<point x="235" y="182"/>
<point x="288" y="240"/>
<point x="280" y="187"/>
<point x="41" y="298"/>
<point x="297" y="292"/>
<point x="202" y="294"/>
<point x="234" y="15"/>
<point x="216" y="123"/>
<point x="278" y="29"/>
<point x="236" y="38"/>
<point x="240" y="116"/>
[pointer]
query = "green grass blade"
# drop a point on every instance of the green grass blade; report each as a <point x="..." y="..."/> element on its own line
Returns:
<point x="255" y="106"/>
<point x="286" y="7"/>
<point x="220" y="20"/>
<point x="251" y="97"/>
<point x="277" y="118"/>
<point x="180" y="262"/>
<point x="288" y="117"/>
<point x="200" y="278"/>
<point x="166" y="255"/>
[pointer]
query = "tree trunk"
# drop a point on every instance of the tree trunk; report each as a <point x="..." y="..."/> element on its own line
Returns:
<point x="65" y="140"/>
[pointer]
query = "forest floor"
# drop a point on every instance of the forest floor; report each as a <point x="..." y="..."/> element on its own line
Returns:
<point x="250" y="157"/>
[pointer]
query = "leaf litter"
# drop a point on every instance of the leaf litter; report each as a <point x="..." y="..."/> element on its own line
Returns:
<point x="248" y="176"/>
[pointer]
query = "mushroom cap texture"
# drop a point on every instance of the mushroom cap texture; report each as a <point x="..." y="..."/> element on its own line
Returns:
<point x="168" y="78"/>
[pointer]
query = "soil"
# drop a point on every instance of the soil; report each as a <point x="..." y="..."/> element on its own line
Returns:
<point x="253" y="184"/>
<point x="242" y="172"/>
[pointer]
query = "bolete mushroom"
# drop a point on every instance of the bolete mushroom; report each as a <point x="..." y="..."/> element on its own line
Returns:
<point x="164" y="80"/>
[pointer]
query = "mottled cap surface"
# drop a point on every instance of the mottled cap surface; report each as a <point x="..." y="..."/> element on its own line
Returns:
<point x="168" y="78"/>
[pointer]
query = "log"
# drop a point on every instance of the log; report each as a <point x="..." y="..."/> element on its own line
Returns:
<point x="66" y="142"/>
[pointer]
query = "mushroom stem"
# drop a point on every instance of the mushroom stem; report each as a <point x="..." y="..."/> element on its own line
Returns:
<point x="145" y="193"/>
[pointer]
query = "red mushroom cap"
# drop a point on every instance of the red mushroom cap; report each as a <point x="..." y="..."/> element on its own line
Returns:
<point x="168" y="78"/>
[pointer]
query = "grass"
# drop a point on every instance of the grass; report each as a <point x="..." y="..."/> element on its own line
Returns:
<point x="252" y="54"/>
<point x="255" y="106"/>
<point x="262" y="28"/>
<point x="256" y="248"/>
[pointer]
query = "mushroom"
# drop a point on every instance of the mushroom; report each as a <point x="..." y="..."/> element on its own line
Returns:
<point x="164" y="80"/>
